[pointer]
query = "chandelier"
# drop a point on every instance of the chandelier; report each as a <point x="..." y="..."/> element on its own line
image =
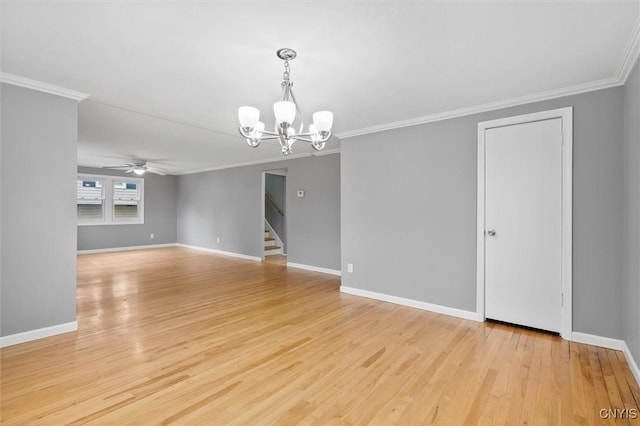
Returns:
<point x="285" y="111"/>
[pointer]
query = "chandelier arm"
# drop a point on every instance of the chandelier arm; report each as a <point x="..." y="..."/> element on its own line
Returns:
<point x="321" y="139"/>
<point x="269" y="138"/>
<point x="303" y="139"/>
<point x="298" y="112"/>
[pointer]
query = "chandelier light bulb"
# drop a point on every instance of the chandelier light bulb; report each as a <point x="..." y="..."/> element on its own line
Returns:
<point x="323" y="120"/>
<point x="248" y="116"/>
<point x="285" y="112"/>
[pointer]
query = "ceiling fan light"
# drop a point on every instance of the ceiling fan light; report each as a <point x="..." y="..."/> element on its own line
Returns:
<point x="285" y="112"/>
<point x="323" y="121"/>
<point x="139" y="171"/>
<point x="248" y="116"/>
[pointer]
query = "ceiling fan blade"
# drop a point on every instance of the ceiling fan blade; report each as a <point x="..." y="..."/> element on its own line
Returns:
<point x="129" y="171"/>
<point x="161" y="172"/>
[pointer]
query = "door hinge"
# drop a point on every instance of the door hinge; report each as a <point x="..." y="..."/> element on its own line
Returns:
<point x="561" y="299"/>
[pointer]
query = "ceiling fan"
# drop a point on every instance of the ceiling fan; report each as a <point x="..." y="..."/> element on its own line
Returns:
<point x="139" y="167"/>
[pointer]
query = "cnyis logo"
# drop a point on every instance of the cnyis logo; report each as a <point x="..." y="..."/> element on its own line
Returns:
<point x="619" y="413"/>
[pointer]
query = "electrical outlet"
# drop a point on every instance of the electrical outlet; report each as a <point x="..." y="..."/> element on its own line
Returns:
<point x="152" y="236"/>
<point x="218" y="240"/>
<point x="350" y="267"/>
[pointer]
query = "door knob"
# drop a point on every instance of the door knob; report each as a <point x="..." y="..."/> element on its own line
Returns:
<point x="491" y="232"/>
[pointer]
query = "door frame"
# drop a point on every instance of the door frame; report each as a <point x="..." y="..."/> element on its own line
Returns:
<point x="566" y="115"/>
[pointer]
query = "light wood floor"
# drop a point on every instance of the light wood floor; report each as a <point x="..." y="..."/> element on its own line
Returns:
<point x="178" y="336"/>
<point x="280" y="259"/>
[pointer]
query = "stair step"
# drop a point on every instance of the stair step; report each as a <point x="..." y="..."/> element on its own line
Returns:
<point x="269" y="239"/>
<point x="272" y="247"/>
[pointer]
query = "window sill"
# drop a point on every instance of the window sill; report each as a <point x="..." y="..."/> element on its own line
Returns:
<point x="110" y="223"/>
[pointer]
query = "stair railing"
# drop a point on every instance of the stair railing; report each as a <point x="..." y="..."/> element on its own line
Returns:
<point x="273" y="204"/>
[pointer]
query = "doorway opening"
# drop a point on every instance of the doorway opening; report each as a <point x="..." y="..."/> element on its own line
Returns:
<point x="274" y="218"/>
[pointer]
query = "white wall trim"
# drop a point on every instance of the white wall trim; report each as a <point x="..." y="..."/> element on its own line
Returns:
<point x="326" y="152"/>
<point x="633" y="365"/>
<point x="566" y="114"/>
<point x="40" y="86"/>
<point x="492" y="106"/>
<point x="278" y="172"/>
<point x="630" y="56"/>
<point x="265" y="161"/>
<point x="592" y="339"/>
<point x="315" y="268"/>
<point x="114" y="249"/>
<point x="627" y="61"/>
<point x="222" y="252"/>
<point x="40" y="333"/>
<point x="454" y="312"/>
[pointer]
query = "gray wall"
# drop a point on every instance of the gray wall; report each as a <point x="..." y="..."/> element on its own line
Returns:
<point x="39" y="143"/>
<point x="409" y="210"/>
<point x="227" y="204"/>
<point x="631" y="310"/>
<point x="160" y="195"/>
<point x="275" y="186"/>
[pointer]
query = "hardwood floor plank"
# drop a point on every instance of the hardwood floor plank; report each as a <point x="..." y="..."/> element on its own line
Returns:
<point x="177" y="336"/>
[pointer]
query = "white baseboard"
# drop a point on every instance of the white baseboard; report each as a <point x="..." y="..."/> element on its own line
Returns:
<point x="473" y="316"/>
<point x="222" y="252"/>
<point x="40" y="333"/>
<point x="592" y="339"/>
<point x="112" y="249"/>
<point x="315" y="268"/>
<point x="633" y="365"/>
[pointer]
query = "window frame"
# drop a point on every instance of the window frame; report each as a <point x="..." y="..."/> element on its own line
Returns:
<point x="108" y="204"/>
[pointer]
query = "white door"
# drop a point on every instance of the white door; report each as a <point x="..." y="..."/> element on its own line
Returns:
<point x="523" y="224"/>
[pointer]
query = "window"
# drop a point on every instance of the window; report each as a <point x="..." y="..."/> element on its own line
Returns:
<point x="90" y="200"/>
<point x="109" y="200"/>
<point x="126" y="196"/>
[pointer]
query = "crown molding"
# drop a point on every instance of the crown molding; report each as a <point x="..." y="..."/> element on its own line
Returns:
<point x="625" y="66"/>
<point x="492" y="106"/>
<point x="630" y="56"/>
<point x="40" y="86"/>
<point x="266" y="161"/>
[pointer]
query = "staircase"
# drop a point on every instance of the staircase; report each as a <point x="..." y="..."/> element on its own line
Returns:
<point x="270" y="245"/>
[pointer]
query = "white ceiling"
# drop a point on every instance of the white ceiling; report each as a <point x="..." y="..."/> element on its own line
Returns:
<point x="166" y="77"/>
